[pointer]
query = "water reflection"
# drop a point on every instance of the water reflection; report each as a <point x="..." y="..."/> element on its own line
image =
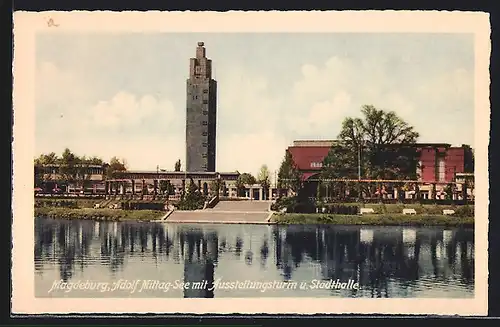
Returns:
<point x="387" y="261"/>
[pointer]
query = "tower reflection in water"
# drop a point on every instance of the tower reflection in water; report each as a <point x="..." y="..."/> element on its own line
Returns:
<point x="375" y="257"/>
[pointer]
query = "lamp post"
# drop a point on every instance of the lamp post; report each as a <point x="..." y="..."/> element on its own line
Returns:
<point x="275" y="182"/>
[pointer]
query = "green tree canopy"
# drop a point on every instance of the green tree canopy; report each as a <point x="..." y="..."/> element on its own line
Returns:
<point x="192" y="199"/>
<point x="47" y="159"/>
<point x="263" y="176"/>
<point x="69" y="166"/>
<point x="289" y="177"/>
<point x="115" y="165"/>
<point x="244" y="178"/>
<point x="216" y="186"/>
<point x="166" y="187"/>
<point x="382" y="141"/>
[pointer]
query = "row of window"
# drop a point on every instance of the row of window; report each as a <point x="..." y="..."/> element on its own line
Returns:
<point x="205" y="101"/>
<point x="88" y="171"/>
<point x="316" y="164"/>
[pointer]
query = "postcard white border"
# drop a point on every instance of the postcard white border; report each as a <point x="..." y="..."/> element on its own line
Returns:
<point x="26" y="24"/>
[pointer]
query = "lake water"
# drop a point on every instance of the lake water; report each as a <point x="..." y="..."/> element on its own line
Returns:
<point x="125" y="259"/>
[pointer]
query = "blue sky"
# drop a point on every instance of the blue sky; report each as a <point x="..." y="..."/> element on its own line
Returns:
<point x="108" y="94"/>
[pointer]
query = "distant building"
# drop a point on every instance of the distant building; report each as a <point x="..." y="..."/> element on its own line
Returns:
<point x="50" y="178"/>
<point x="201" y="114"/>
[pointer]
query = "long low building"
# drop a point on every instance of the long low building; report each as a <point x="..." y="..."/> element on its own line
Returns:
<point x="135" y="181"/>
<point x="83" y="177"/>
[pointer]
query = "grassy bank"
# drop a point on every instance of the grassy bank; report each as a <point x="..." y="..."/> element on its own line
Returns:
<point x="69" y="203"/>
<point x="373" y="219"/>
<point x="98" y="214"/>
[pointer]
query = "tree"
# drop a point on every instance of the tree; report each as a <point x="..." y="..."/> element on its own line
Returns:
<point x="41" y="174"/>
<point x="47" y="159"/>
<point x="243" y="179"/>
<point x="115" y="165"/>
<point x="192" y="188"/>
<point x="263" y="177"/>
<point x="289" y="177"/>
<point x="216" y="186"/>
<point x="380" y="144"/>
<point x="193" y="199"/>
<point x="83" y="171"/>
<point x="177" y="166"/>
<point x="166" y="187"/>
<point x="68" y="168"/>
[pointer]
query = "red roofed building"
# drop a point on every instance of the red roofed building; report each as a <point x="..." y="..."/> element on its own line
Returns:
<point x="439" y="162"/>
<point x="308" y="155"/>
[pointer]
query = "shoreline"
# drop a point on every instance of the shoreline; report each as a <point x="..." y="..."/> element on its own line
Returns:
<point x="387" y="219"/>
<point x="103" y="214"/>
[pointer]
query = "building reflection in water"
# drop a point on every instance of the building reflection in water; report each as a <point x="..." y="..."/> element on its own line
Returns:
<point x="200" y="254"/>
<point x="375" y="257"/>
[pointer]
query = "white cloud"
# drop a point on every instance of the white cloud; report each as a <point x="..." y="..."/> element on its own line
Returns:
<point x="244" y="101"/>
<point x="324" y="113"/>
<point x="126" y="109"/>
<point x="320" y="83"/>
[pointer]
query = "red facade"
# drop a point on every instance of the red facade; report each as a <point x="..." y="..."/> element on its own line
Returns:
<point x="438" y="162"/>
<point x="441" y="163"/>
<point x="309" y="159"/>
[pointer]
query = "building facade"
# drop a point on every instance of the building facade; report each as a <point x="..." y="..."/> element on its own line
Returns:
<point x="441" y="162"/>
<point x="201" y="114"/>
<point x="438" y="162"/>
<point x="81" y="178"/>
<point x="439" y="166"/>
<point x="139" y="183"/>
<point x="308" y="155"/>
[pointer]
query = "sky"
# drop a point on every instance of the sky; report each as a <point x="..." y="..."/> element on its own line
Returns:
<point x="108" y="94"/>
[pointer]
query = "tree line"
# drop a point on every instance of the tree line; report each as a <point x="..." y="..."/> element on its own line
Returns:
<point x="73" y="168"/>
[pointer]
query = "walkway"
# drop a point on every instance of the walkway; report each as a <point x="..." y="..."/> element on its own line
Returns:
<point x="226" y="212"/>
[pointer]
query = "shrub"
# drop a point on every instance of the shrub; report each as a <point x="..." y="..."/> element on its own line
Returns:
<point x="464" y="211"/>
<point x="135" y="205"/>
<point x="193" y="200"/>
<point x="339" y="209"/>
<point x="294" y="204"/>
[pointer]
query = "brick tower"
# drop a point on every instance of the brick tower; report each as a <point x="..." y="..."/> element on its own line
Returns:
<point x="201" y="114"/>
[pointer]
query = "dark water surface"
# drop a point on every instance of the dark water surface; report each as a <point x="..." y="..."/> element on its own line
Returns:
<point x="125" y="259"/>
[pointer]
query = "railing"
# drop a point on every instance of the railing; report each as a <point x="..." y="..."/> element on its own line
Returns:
<point x="332" y="200"/>
<point x="71" y="196"/>
<point x="212" y="202"/>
